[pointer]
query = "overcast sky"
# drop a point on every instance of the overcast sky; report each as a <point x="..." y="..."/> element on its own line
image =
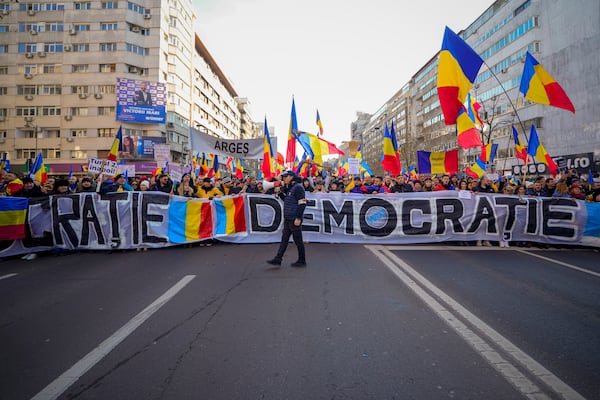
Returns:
<point x="337" y="56"/>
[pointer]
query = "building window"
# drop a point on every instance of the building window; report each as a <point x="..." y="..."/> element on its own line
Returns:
<point x="52" y="153"/>
<point x="80" y="68"/>
<point x="106" y="111"/>
<point x="108" y="47"/>
<point x="3" y="90"/>
<point x="26" y="111"/>
<point x="108" y="26"/>
<point x="136" y="8"/>
<point x="3" y="70"/>
<point x="49" y="90"/>
<point x="81" y="47"/>
<point x="109" y="5"/>
<point x="52" y="68"/>
<point x="79" y="154"/>
<point x="79" y="111"/>
<point x="82" y="27"/>
<point x="108" y="67"/>
<point x="81" y="89"/>
<point x="106" y="132"/>
<point x="79" y="133"/>
<point x="107" y="89"/>
<point x="47" y="111"/>
<point x="82" y="5"/>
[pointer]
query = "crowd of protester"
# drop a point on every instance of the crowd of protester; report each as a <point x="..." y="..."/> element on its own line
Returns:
<point x="568" y="185"/>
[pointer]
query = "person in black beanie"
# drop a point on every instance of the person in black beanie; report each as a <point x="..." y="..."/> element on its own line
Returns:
<point x="294" y="203"/>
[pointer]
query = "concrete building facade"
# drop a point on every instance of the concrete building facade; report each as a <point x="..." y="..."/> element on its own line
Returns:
<point x="564" y="38"/>
<point x="59" y="65"/>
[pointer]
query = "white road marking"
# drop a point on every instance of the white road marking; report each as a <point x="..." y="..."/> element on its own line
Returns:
<point x="410" y="277"/>
<point x="63" y="382"/>
<point x="564" y="264"/>
<point x="7" y="276"/>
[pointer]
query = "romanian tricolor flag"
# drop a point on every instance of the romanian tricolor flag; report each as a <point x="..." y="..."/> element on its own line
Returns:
<point x="290" y="155"/>
<point x="438" y="162"/>
<point x="520" y="150"/>
<point x="189" y="220"/>
<point x="239" y="168"/>
<point x="539" y="86"/>
<point x="319" y="124"/>
<point x="488" y="152"/>
<point x="473" y="110"/>
<point x="13" y="213"/>
<point x="412" y="173"/>
<point x="467" y="135"/>
<point x="537" y="150"/>
<point x="116" y="146"/>
<point x="39" y="170"/>
<point x="267" y="168"/>
<point x="458" y="66"/>
<point x="230" y="215"/>
<point x="390" y="161"/>
<point x="477" y="170"/>
<point x="317" y="147"/>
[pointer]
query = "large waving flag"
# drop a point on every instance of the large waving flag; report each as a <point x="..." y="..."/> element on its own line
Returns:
<point x="488" y="152"/>
<point x="189" y="220"/>
<point x="230" y="215"/>
<point x="13" y="212"/>
<point x="290" y="155"/>
<point x="540" y="87"/>
<point x="116" y="146"/>
<point x="390" y="162"/>
<point x="267" y="169"/>
<point x="438" y="162"/>
<point x="38" y="169"/>
<point x="458" y="66"/>
<point x="239" y="168"/>
<point x="395" y="143"/>
<point x="467" y="134"/>
<point x="319" y="124"/>
<point x="520" y="150"/>
<point x="317" y="147"/>
<point x="477" y="170"/>
<point x="537" y="150"/>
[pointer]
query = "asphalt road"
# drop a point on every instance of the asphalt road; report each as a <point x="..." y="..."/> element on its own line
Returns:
<point x="360" y="322"/>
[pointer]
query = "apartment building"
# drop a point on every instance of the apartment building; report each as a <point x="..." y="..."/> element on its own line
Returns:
<point x="563" y="38"/>
<point x="61" y="67"/>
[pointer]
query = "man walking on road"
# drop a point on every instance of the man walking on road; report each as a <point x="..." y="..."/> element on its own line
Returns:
<point x="294" y="203"/>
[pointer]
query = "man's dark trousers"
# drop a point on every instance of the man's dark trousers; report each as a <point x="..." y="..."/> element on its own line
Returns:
<point x="289" y="229"/>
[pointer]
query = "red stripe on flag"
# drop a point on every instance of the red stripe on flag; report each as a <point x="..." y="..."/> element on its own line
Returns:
<point x="206" y="229"/>
<point x="239" y="217"/>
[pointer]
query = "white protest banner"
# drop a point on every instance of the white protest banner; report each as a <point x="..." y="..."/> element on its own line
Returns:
<point x="353" y="166"/>
<point x="162" y="152"/>
<point x="106" y="167"/>
<point x="243" y="148"/>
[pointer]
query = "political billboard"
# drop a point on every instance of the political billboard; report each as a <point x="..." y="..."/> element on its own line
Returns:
<point x="141" y="101"/>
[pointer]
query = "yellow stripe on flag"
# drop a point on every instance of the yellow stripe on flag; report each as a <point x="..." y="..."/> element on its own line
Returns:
<point x="16" y="217"/>
<point x="192" y="220"/>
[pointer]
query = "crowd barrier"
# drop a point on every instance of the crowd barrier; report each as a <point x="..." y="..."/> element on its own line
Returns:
<point x="129" y="220"/>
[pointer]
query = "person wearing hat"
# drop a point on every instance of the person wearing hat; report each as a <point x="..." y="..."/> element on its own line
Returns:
<point x="61" y="187"/>
<point x="87" y="185"/>
<point x="294" y="202"/>
<point x="226" y="187"/>
<point x="119" y="185"/>
<point x="207" y="190"/>
<point x="29" y="189"/>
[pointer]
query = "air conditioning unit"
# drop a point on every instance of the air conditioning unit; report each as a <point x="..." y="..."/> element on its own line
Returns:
<point x="135" y="29"/>
<point x="28" y="118"/>
<point x="147" y="16"/>
<point x="83" y="95"/>
<point x="28" y="76"/>
<point x="503" y="70"/>
<point x="134" y="70"/>
<point x="72" y="31"/>
<point x="29" y="55"/>
<point x="41" y="54"/>
<point x="29" y="97"/>
<point x="70" y="139"/>
<point x="67" y="47"/>
<point x="68" y="117"/>
<point x="170" y="125"/>
<point x="98" y="95"/>
<point x="33" y="32"/>
<point x="31" y="12"/>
